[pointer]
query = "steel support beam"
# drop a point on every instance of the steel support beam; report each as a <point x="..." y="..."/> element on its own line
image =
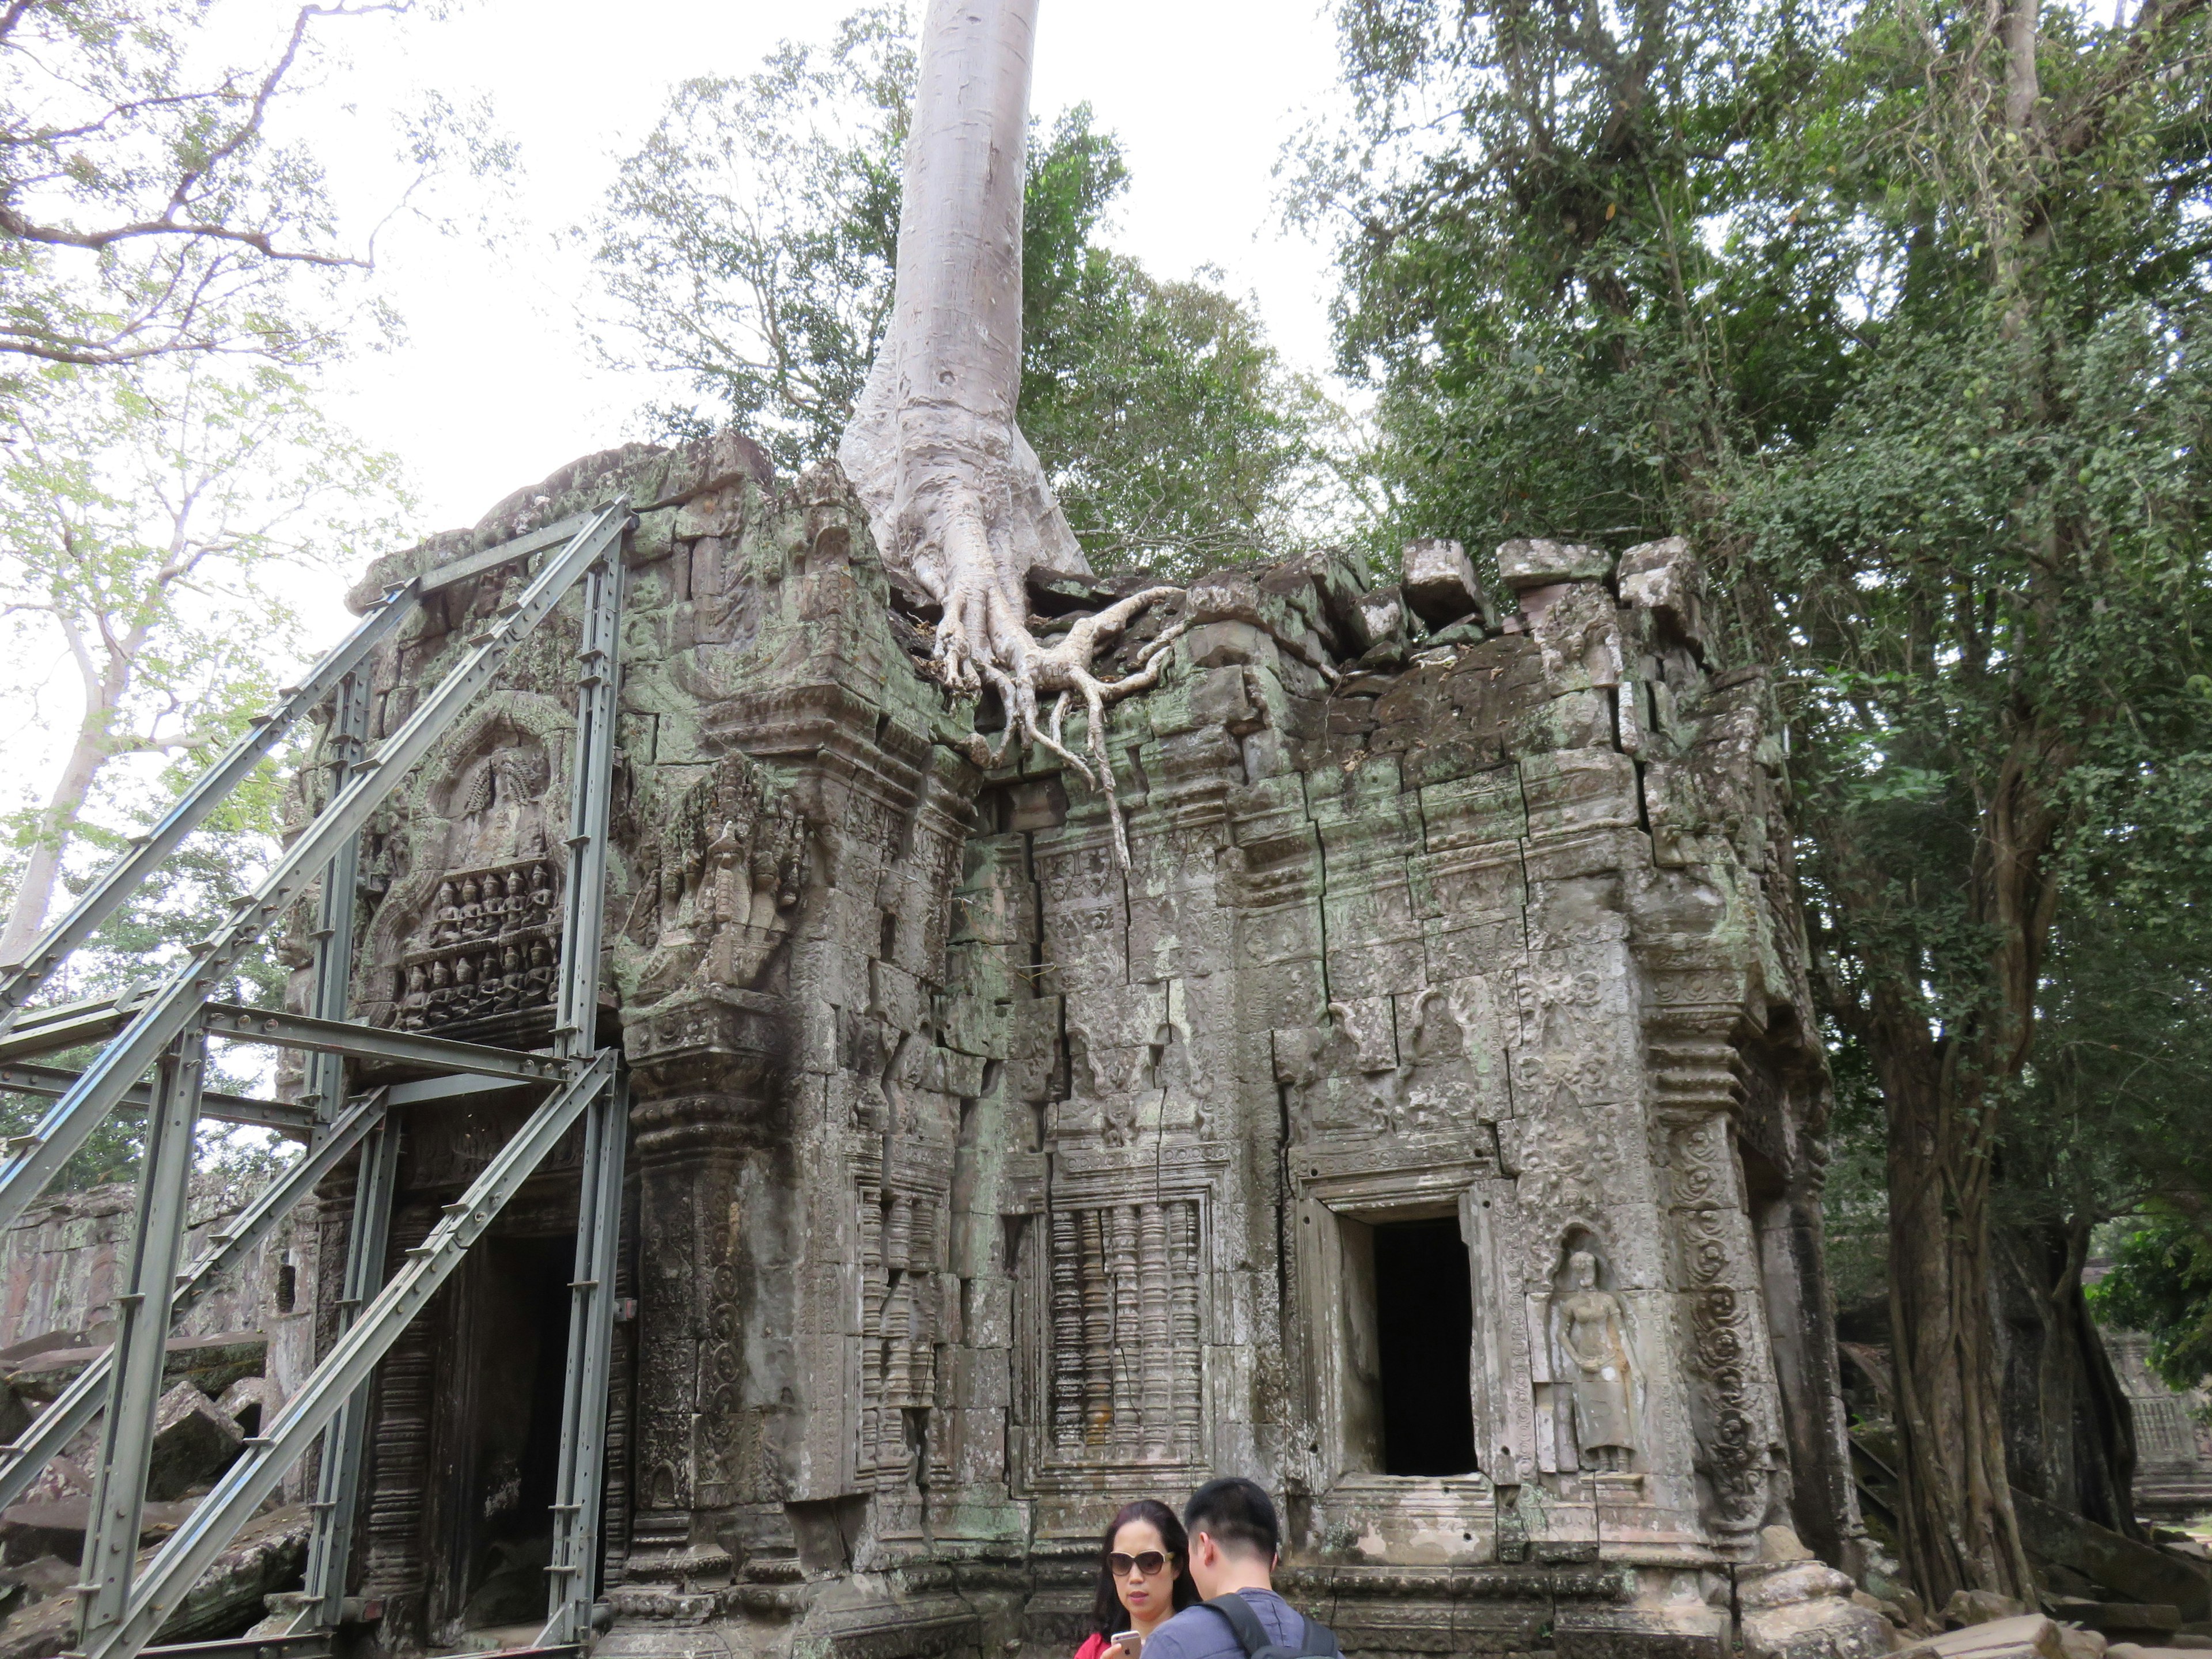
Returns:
<point x="32" y="1160"/>
<point x="20" y="981"/>
<point x="79" y="1402"/>
<point x="574" y="1568"/>
<point x="142" y="1337"/>
<point x="579" y="1479"/>
<point x="240" y="1490"/>
<point x="275" y="1030"/>
<point x="54" y="1081"/>
<point x="345" y="1442"/>
<point x="475" y="564"/>
<point x="591" y="791"/>
<point x="73" y="1024"/>
<point x="333" y="962"/>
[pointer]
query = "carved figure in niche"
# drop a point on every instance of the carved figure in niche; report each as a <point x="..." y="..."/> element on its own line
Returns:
<point x="447" y="928"/>
<point x="1591" y="1334"/>
<point x="729" y="864"/>
<point x="471" y="909"/>
<point x="500" y="814"/>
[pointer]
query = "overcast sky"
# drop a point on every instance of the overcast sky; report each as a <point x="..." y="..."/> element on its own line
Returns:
<point x="496" y="387"/>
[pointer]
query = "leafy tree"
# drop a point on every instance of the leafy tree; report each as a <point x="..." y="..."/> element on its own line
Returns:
<point x="149" y="516"/>
<point x="147" y="206"/>
<point x="1898" y="308"/>
<point x="749" y="246"/>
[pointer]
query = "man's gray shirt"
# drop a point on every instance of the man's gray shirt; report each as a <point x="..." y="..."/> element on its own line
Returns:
<point x="1201" y="1633"/>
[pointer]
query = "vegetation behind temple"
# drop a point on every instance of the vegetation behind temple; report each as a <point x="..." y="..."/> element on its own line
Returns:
<point x="1899" y="310"/>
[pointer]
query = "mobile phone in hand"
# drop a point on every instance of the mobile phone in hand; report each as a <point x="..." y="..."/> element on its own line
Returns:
<point x="1129" y="1642"/>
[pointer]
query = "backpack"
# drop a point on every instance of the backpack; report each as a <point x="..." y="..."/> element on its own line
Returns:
<point x="1252" y="1635"/>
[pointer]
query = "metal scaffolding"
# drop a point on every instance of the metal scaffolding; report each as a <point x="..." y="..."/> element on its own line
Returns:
<point x="165" y="1030"/>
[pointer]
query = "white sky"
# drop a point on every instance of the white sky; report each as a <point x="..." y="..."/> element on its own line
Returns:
<point x="496" y="386"/>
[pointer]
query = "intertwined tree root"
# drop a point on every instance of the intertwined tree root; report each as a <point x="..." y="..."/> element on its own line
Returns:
<point x="982" y="641"/>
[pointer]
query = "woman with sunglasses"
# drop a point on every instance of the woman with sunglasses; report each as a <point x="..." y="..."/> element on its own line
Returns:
<point x="1143" y="1579"/>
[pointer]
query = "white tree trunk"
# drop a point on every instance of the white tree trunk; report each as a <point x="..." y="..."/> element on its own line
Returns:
<point x="956" y="496"/>
<point x="954" y="493"/>
<point x="42" y="870"/>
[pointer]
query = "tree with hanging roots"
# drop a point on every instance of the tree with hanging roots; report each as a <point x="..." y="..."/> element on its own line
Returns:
<point x="956" y="498"/>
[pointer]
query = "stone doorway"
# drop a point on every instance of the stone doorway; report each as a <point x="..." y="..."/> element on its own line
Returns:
<point x="505" y="1356"/>
<point x="1424" y="1327"/>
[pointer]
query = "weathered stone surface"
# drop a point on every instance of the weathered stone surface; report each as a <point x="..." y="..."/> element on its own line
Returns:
<point x="1439" y="581"/>
<point x="981" y="1185"/>
<point x="193" y="1442"/>
<point x="2022" y="1636"/>
<point x="1522" y="565"/>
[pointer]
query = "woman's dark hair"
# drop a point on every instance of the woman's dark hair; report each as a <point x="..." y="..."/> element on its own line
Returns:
<point x="1107" y="1613"/>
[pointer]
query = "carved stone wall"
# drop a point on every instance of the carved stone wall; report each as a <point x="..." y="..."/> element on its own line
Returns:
<point x="980" y="1185"/>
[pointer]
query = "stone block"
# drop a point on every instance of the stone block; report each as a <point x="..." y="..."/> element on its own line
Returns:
<point x="1378" y="618"/>
<point x="1585" y="1631"/>
<point x="1666" y="579"/>
<point x="1524" y="565"/>
<point x="1804" y="1611"/>
<point x="2023" y="1635"/>
<point x="193" y="1442"/>
<point x="1439" y="581"/>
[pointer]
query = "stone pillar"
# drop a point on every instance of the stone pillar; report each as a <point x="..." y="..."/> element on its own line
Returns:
<point x="1715" y="1281"/>
<point x="686" y="1152"/>
<point x="702" y="1083"/>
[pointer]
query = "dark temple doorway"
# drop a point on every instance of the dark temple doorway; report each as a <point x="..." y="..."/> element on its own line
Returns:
<point x="1425" y="1328"/>
<point x="511" y="1351"/>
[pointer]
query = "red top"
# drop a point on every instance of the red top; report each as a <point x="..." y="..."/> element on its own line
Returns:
<point x="1093" y="1645"/>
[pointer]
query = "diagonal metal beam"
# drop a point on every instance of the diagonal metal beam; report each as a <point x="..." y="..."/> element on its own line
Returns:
<point x="19" y="981"/>
<point x="492" y="558"/>
<point x="32" y="1160"/>
<point x="243" y="1486"/>
<point x="79" y="1403"/>
<point x="54" y="1081"/>
<point x="339" y="1036"/>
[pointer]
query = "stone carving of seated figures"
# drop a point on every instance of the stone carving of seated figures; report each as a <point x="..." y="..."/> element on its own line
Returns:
<point x="447" y="928"/>
<point x="417" y="1002"/>
<point x="1592" y="1337"/>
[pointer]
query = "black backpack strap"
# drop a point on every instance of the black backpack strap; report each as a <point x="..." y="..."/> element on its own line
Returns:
<point x="1251" y="1635"/>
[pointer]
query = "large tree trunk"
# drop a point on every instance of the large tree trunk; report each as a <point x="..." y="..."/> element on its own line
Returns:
<point x="2069" y="1430"/>
<point x="1956" y="1521"/>
<point x="955" y="494"/>
<point x="957" y="500"/>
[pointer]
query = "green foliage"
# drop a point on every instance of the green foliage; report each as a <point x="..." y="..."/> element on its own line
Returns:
<point x="750" y="248"/>
<point x="2161" y="1283"/>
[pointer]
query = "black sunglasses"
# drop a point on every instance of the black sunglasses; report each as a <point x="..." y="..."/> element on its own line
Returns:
<point x="1122" y="1566"/>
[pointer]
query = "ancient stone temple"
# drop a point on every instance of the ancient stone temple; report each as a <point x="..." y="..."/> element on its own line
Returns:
<point x="1426" y="1122"/>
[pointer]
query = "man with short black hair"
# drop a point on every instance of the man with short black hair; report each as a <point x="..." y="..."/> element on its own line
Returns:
<point x="1235" y="1542"/>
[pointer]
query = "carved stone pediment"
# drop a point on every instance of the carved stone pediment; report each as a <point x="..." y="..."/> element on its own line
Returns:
<point x="489" y="944"/>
